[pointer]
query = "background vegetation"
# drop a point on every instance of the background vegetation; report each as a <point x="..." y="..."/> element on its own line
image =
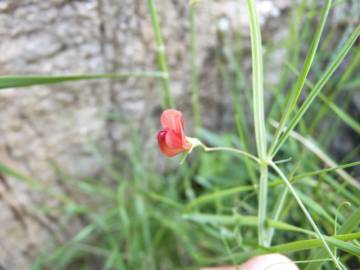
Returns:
<point x="206" y="211"/>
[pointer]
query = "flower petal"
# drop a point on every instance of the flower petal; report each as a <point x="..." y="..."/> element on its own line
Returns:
<point x="164" y="147"/>
<point x="172" y="119"/>
<point x="173" y="139"/>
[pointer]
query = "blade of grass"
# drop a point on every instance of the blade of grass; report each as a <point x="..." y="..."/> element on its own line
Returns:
<point x="259" y="119"/>
<point x="241" y="220"/>
<point x="314" y="148"/>
<point x="277" y="211"/>
<point x="281" y="203"/>
<point x="161" y="56"/>
<point x="317" y="88"/>
<point x="33" y="183"/>
<point x="194" y="70"/>
<point x="296" y="91"/>
<point x="234" y="89"/>
<point x="315" y="207"/>
<point x="30" y="80"/>
<point x="292" y="52"/>
<point x="209" y="197"/>
<point x="351" y="67"/>
<point x="347" y="119"/>
<point x="347" y="227"/>
<point x="307" y="214"/>
<point x="337" y="241"/>
<point x="344" y="116"/>
<point x="295" y="247"/>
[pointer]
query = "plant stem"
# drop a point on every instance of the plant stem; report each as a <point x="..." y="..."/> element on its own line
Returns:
<point x="161" y="56"/>
<point x="278" y="208"/>
<point x="259" y="119"/>
<point x="229" y="149"/>
<point x="305" y="211"/>
<point x="194" y="70"/>
<point x="263" y="190"/>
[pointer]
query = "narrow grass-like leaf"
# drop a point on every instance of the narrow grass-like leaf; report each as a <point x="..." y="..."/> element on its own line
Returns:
<point x="30" y="80"/>
<point x="33" y="183"/>
<point x="346" y="228"/>
<point x="210" y="197"/>
<point x="293" y="46"/>
<point x="317" y="88"/>
<point x="296" y="91"/>
<point x="161" y="55"/>
<point x="347" y="119"/>
<point x="241" y="220"/>
<point x="315" y="207"/>
<point x="351" y="122"/>
<point x="194" y="70"/>
<point x="313" y="147"/>
<point x="280" y="203"/>
<point x="6" y="170"/>
<point x="337" y="241"/>
<point x="339" y="87"/>
<point x="307" y="214"/>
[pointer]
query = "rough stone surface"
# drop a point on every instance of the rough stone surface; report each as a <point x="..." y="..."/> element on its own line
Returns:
<point x="44" y="124"/>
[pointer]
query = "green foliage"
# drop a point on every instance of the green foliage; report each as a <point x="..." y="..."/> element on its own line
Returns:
<point x="214" y="210"/>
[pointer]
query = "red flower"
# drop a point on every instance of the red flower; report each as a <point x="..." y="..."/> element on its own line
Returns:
<point x="171" y="138"/>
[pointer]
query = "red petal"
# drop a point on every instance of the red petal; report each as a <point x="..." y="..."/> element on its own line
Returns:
<point x="173" y="139"/>
<point x="172" y="119"/>
<point x="164" y="147"/>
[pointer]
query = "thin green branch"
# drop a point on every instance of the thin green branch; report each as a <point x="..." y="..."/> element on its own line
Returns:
<point x="233" y="150"/>
<point x="350" y="224"/>
<point x="305" y="211"/>
<point x="194" y="69"/>
<point x="161" y="56"/>
<point x="278" y="208"/>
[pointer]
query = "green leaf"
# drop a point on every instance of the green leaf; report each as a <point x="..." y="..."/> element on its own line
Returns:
<point x="30" y="80"/>
<point x="347" y="227"/>
<point x="298" y="86"/>
<point x="317" y="88"/>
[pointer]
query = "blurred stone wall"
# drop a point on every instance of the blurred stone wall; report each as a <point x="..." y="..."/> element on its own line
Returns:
<point x="42" y="125"/>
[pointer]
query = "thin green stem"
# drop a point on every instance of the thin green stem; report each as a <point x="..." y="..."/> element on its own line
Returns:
<point x="278" y="208"/>
<point x="194" y="69"/>
<point x="233" y="150"/>
<point x="226" y="55"/>
<point x="262" y="231"/>
<point x="305" y="211"/>
<point x="259" y="118"/>
<point x="161" y="56"/>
